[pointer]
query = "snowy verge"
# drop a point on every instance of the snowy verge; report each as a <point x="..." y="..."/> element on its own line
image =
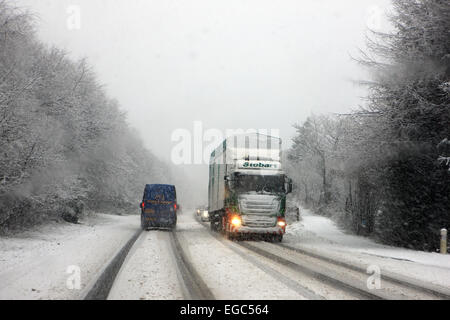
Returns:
<point x="321" y="235"/>
<point x="44" y="263"/>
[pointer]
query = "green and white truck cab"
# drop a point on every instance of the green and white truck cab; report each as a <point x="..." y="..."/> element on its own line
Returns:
<point x="247" y="187"/>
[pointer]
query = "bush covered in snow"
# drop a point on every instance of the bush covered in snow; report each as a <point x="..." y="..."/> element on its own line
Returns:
<point x="385" y="166"/>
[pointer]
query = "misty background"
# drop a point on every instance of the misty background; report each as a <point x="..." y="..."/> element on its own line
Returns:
<point x="229" y="64"/>
<point x="93" y="93"/>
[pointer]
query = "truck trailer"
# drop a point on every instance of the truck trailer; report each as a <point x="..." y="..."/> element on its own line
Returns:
<point x="248" y="187"/>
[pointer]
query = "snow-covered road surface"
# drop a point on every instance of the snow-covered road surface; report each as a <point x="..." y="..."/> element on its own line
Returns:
<point x="316" y="261"/>
<point x="242" y="270"/>
<point x="321" y="235"/>
<point x="228" y="274"/>
<point x="149" y="271"/>
<point x="35" y="264"/>
<point x="340" y="276"/>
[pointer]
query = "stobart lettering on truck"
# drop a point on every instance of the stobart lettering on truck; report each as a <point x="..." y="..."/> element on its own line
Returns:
<point x="248" y="164"/>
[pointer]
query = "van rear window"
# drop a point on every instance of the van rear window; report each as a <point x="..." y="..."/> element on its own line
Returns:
<point x="162" y="193"/>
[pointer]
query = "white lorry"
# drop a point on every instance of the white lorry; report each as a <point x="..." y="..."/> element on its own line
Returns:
<point x="247" y="187"/>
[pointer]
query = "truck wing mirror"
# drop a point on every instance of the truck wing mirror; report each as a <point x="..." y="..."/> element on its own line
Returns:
<point x="288" y="185"/>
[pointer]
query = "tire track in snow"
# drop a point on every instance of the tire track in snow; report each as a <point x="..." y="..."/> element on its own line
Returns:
<point x="286" y="280"/>
<point x="413" y="284"/>
<point x="339" y="274"/>
<point x="294" y="285"/>
<point x="102" y="285"/>
<point x="194" y="286"/>
<point x="353" y="288"/>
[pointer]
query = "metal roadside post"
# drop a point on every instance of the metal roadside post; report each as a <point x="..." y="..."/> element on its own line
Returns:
<point x="444" y="241"/>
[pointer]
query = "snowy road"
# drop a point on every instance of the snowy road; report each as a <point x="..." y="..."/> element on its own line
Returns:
<point x="241" y="270"/>
<point x="315" y="261"/>
<point x="151" y="270"/>
<point x="37" y="264"/>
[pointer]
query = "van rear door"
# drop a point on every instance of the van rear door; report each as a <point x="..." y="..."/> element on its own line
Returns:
<point x="160" y="204"/>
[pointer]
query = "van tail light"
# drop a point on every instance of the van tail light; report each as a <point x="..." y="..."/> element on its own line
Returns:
<point x="143" y="204"/>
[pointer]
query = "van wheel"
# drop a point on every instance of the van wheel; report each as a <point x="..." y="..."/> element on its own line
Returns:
<point x="144" y="226"/>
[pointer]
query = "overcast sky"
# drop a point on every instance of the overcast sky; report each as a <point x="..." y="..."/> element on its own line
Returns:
<point x="231" y="64"/>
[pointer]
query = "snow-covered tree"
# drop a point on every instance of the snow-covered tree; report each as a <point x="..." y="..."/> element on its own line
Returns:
<point x="391" y="156"/>
<point x="64" y="144"/>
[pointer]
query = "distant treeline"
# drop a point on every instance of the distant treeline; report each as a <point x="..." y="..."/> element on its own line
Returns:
<point x="384" y="170"/>
<point x="64" y="145"/>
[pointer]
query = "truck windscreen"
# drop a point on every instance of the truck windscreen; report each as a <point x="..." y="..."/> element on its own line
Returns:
<point x="258" y="183"/>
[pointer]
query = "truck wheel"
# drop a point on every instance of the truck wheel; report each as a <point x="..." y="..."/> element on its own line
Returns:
<point x="223" y="225"/>
<point x="215" y="221"/>
<point x="278" y="238"/>
<point x="228" y="235"/>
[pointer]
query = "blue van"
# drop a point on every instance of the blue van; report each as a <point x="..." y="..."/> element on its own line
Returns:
<point x="159" y="207"/>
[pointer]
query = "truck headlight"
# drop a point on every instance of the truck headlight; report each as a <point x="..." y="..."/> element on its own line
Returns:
<point x="236" y="221"/>
<point x="281" y="223"/>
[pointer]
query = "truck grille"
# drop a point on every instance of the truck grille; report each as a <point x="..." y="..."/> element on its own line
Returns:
<point x="258" y="221"/>
<point x="259" y="204"/>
